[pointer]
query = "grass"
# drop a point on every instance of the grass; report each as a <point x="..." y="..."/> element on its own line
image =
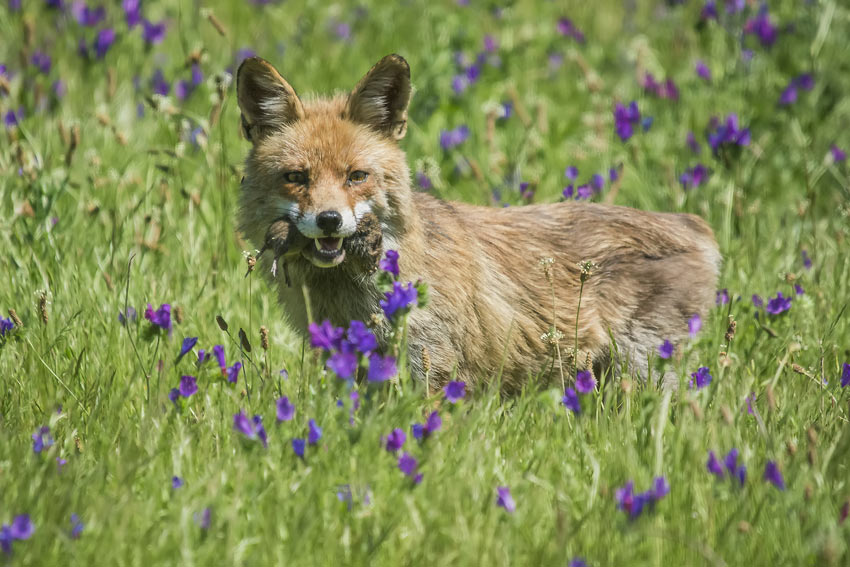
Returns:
<point x="142" y="215"/>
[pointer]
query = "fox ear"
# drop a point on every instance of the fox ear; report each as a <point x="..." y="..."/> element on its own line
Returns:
<point x="380" y="99"/>
<point x="267" y="101"/>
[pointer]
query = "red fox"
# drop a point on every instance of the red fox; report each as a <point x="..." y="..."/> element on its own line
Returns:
<point x="329" y="165"/>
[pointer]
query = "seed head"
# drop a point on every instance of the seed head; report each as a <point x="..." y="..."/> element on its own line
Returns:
<point x="42" y="307"/>
<point x="178" y="314"/>
<point x="15" y="319"/>
<point x="222" y="324"/>
<point x="730" y="330"/>
<point x="546" y="264"/>
<point x="552" y="336"/>
<point x="264" y="337"/>
<point x="243" y="338"/>
<point x="426" y="360"/>
<point x="587" y="267"/>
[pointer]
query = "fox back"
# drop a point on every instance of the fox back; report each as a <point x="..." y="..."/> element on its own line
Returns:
<point x="329" y="167"/>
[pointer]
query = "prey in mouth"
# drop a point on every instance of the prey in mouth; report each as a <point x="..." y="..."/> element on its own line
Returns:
<point x="363" y="248"/>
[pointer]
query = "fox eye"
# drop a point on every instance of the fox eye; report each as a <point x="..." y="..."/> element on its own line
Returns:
<point x="299" y="177"/>
<point x="357" y="176"/>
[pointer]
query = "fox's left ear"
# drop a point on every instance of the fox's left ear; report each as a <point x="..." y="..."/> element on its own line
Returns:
<point x="380" y="99"/>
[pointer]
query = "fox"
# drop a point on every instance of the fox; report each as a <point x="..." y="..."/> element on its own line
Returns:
<point x="515" y="294"/>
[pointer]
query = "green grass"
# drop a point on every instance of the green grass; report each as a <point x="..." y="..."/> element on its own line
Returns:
<point x="152" y="221"/>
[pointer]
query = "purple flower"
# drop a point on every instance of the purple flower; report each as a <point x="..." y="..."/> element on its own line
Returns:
<point x="153" y="33"/>
<point x="504" y="499"/>
<point x="158" y="83"/>
<point x="571" y="173"/>
<point x="585" y="382"/>
<point x="807" y="262"/>
<point x="232" y="372"/>
<point x="694" y="325"/>
<point x="188" y="386"/>
<point x="789" y="95"/>
<point x="728" y="133"/>
<point x="713" y="465"/>
<point x="174" y="395"/>
<point x="577" y="562"/>
<point x="584" y="192"/>
<point x="41" y="439"/>
<point x="86" y="16"/>
<point x="571" y="401"/>
<point x="6" y="325"/>
<point x="838" y="155"/>
<point x="666" y="349"/>
<point x="161" y="317"/>
<point x="845" y="375"/>
<point x="757" y="301"/>
<point x="390" y="262"/>
<point x="395" y="440"/>
<point x="21" y="528"/>
<point x="455" y="391"/>
<point x="381" y="368"/>
<point x="12" y="118"/>
<point x="176" y="482"/>
<point x="432" y="424"/>
<point x="490" y="43"/>
<point x="423" y="181"/>
<point x="298" y="446"/>
<point x="625" y="118"/>
<point x="218" y="352"/>
<point x="41" y="60"/>
<point x="314" y="433"/>
<point x="798" y="289"/>
<point x="452" y="138"/>
<point x="709" y="11"/>
<point x="343" y="364"/>
<point x="773" y="475"/>
<point x="703" y="72"/>
<point x="634" y="504"/>
<point x="103" y="41"/>
<point x="325" y="336"/>
<point x="597" y="182"/>
<point x="204" y="519"/>
<point x="568" y="191"/>
<point x="408" y="465"/>
<point x="132" y="12"/>
<point x="694" y="177"/>
<point x="778" y="304"/>
<point x="60" y="463"/>
<point x="252" y="429"/>
<point x="762" y="27"/>
<point x="722" y="297"/>
<point x="692" y="143"/>
<point x="76" y="526"/>
<point x="188" y="344"/>
<point x="285" y="409"/>
<point x="399" y="300"/>
<point x="701" y="377"/>
<point x="660" y="488"/>
<point x="128" y="315"/>
<point x="566" y="28"/>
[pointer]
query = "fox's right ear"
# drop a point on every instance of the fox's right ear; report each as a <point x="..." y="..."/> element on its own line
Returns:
<point x="266" y="100"/>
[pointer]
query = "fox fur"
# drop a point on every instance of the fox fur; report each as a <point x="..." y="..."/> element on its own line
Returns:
<point x="491" y="301"/>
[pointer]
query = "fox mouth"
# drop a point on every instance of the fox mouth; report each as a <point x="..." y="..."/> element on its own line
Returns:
<point x="326" y="252"/>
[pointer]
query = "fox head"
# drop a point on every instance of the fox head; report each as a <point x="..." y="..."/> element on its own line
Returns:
<point x="326" y="163"/>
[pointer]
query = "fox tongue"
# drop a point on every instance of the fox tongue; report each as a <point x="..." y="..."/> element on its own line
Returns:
<point x="328" y="243"/>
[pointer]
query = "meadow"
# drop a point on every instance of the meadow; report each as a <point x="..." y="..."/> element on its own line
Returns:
<point x="120" y="165"/>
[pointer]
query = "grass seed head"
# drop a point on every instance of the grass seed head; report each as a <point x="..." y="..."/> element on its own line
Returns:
<point x="222" y="324"/>
<point x="243" y="338"/>
<point x="264" y="337"/>
<point x="15" y="319"/>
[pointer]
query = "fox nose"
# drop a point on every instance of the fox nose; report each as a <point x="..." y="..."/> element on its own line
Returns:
<point x="329" y="221"/>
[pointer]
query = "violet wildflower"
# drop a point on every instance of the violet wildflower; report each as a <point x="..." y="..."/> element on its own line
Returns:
<point x="398" y="301"/>
<point x="778" y="304"/>
<point x="343" y="364"/>
<point x="158" y="83"/>
<point x="728" y="133"/>
<point x="381" y="368"/>
<point x="423" y="181"/>
<point x="188" y="344"/>
<point x="627" y="501"/>
<point x="625" y="118"/>
<point x="597" y="182"/>
<point x="773" y="475"/>
<point x="128" y="315"/>
<point x="568" y="191"/>
<point x="577" y="562"/>
<point x="701" y="378"/>
<point x="571" y="401"/>
<point x="6" y="325"/>
<point x="176" y="482"/>
<point x="709" y="11"/>
<point x="360" y="338"/>
<point x="730" y="461"/>
<point x="174" y="395"/>
<point x="60" y="463"/>
<point x="566" y="28"/>
<point x="584" y="192"/>
<point x="504" y="499"/>
<point x="452" y="138"/>
<point x="722" y="297"/>
<point x="390" y="262"/>
<point x="87" y="16"/>
<point x="845" y="375"/>
<point x="232" y="372"/>
<point x="665" y="350"/>
<point x="571" y="173"/>
<point x="455" y="391"/>
<point x="757" y="301"/>
<point x="694" y="325"/>
<point x="76" y="526"/>
<point x="285" y="409"/>
<point x="807" y="262"/>
<point x="325" y="336"/>
<point x="314" y="433"/>
<point x="694" y="177"/>
<point x="713" y="465"/>
<point x="153" y="33"/>
<point x="188" y="386"/>
<point x="218" y="352"/>
<point x="298" y="446"/>
<point x="692" y="143"/>
<point x="703" y="72"/>
<point x="789" y="95"/>
<point x="432" y="424"/>
<point x="103" y="41"/>
<point x="132" y="12"/>
<point x="13" y="118"/>
<point x="251" y="429"/>
<point x="646" y="123"/>
<point x="395" y="440"/>
<point x="660" y="488"/>
<point x="798" y="289"/>
<point x="409" y="465"/>
<point x="490" y="43"/>
<point x="41" y="60"/>
<point x="21" y="528"/>
<point x="41" y="439"/>
<point x="161" y="317"/>
<point x="838" y="155"/>
<point x="762" y="27"/>
<point x="585" y="382"/>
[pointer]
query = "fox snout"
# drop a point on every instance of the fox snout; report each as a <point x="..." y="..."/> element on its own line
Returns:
<point x="337" y="222"/>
